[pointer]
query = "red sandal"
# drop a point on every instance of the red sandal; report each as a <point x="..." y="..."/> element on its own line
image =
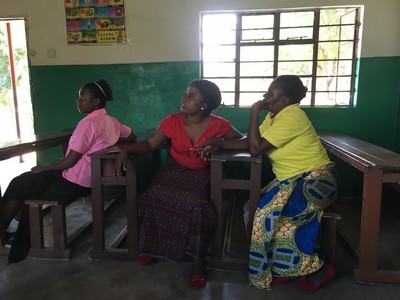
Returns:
<point x="145" y="260"/>
<point x="306" y="285"/>
<point x="198" y="282"/>
<point x="281" y="280"/>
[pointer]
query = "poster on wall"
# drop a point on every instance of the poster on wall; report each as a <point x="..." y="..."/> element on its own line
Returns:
<point x="95" y="21"/>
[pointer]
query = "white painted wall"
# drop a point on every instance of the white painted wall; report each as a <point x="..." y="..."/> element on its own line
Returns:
<point x="168" y="30"/>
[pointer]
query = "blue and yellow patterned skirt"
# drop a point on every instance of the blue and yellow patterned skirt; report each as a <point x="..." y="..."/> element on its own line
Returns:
<point x="286" y="224"/>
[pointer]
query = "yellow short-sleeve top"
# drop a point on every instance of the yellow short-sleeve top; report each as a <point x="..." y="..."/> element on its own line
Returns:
<point x="298" y="148"/>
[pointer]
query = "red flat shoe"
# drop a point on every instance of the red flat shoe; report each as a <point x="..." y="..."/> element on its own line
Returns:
<point x="281" y="280"/>
<point x="306" y="285"/>
<point x="144" y="260"/>
<point x="198" y="282"/>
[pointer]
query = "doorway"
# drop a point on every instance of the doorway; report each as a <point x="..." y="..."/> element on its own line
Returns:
<point x="16" y="113"/>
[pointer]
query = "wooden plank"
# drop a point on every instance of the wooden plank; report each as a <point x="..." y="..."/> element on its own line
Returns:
<point x="364" y="152"/>
<point x="378" y="166"/>
<point x="34" y="143"/>
<point x="220" y="259"/>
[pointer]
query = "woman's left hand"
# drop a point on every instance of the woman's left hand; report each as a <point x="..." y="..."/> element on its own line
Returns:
<point x="37" y="169"/>
<point x="120" y="162"/>
<point x="208" y="148"/>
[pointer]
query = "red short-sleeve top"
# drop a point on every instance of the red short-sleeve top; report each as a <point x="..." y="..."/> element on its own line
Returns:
<point x="173" y="127"/>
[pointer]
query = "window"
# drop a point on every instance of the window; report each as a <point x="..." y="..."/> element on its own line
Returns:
<point x="15" y="98"/>
<point x="16" y="116"/>
<point x="242" y="52"/>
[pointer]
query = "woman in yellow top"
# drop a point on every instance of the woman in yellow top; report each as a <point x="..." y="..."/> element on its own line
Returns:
<point x="284" y="237"/>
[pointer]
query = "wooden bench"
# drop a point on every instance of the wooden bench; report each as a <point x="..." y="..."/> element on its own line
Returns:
<point x="60" y="249"/>
<point x="378" y="166"/>
<point x="62" y="237"/>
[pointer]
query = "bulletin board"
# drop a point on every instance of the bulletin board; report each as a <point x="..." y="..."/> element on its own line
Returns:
<point x="95" y="21"/>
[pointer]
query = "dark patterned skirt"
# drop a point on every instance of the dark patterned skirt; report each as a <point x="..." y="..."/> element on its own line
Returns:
<point x="177" y="216"/>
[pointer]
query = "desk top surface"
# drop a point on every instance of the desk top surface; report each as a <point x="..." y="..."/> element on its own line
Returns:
<point x="234" y="155"/>
<point x="17" y="147"/>
<point x="37" y="138"/>
<point x="368" y="154"/>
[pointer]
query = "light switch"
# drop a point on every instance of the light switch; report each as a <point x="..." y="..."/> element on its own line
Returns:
<point x="51" y="53"/>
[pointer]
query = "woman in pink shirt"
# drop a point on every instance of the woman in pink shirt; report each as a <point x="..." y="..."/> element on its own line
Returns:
<point x="71" y="175"/>
<point x="176" y="213"/>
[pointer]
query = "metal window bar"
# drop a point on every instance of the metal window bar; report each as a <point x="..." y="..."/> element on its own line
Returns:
<point x="276" y="42"/>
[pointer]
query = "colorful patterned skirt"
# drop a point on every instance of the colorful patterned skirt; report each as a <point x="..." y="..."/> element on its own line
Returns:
<point x="177" y="216"/>
<point x="286" y="225"/>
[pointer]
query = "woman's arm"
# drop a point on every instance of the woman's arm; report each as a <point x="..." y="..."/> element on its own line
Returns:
<point x="148" y="145"/>
<point x="65" y="163"/>
<point x="257" y="144"/>
<point x="232" y="140"/>
<point x="152" y="142"/>
<point x="131" y="137"/>
<point x="232" y="134"/>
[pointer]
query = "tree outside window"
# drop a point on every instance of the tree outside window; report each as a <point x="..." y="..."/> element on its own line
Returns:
<point x="243" y="52"/>
<point x="16" y="117"/>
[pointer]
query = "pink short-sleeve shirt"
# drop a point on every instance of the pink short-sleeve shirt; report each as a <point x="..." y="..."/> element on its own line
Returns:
<point x="95" y="132"/>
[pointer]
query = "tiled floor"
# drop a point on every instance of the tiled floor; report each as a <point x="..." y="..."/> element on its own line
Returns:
<point x="81" y="278"/>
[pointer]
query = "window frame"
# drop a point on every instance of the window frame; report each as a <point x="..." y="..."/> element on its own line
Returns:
<point x="276" y="43"/>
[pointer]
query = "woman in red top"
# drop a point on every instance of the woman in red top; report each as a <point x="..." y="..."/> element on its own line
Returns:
<point x="176" y="213"/>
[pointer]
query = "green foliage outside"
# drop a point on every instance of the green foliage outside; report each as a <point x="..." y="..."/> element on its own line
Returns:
<point x="5" y="75"/>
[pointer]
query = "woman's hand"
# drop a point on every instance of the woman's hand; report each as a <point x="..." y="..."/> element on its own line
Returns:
<point x="209" y="146"/>
<point x="38" y="169"/>
<point x="259" y="105"/>
<point x="120" y="162"/>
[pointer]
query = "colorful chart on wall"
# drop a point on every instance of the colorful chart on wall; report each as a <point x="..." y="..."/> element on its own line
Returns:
<point x="95" y="21"/>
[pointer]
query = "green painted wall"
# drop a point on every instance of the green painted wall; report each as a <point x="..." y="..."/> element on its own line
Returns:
<point x="145" y="93"/>
<point x="376" y="116"/>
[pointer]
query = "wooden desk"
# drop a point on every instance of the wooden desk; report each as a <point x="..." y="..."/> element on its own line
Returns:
<point x="218" y="183"/>
<point x="35" y="143"/>
<point x="378" y="166"/>
<point x="99" y="251"/>
<point x="129" y="181"/>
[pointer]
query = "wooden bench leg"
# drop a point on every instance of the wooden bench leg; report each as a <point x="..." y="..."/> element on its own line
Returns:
<point x="59" y="227"/>
<point x="38" y="249"/>
<point x="36" y="226"/>
<point x="329" y="239"/>
<point x="328" y="228"/>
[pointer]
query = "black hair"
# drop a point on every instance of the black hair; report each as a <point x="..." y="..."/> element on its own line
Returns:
<point x="101" y="90"/>
<point x="292" y="87"/>
<point x="210" y="93"/>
